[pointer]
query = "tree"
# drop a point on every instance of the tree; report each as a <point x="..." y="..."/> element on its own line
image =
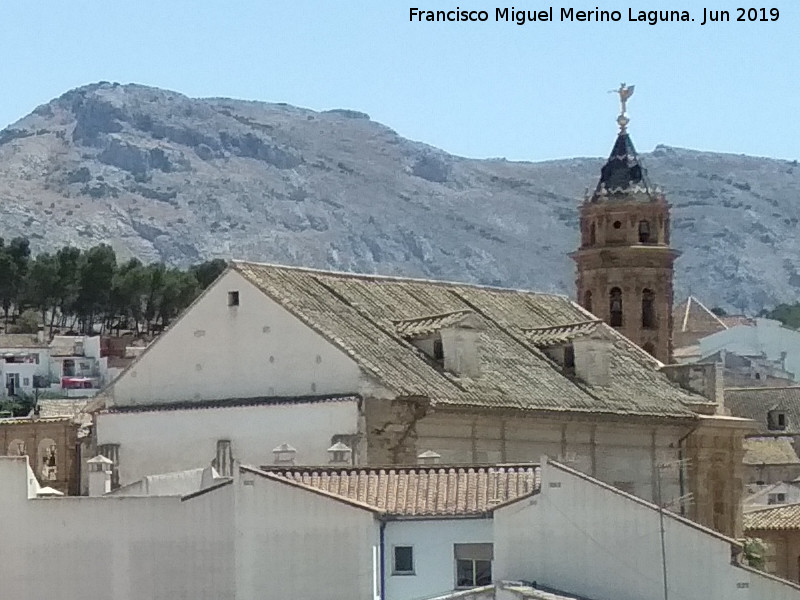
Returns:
<point x="788" y="314"/>
<point x="129" y="292"/>
<point x="95" y="278"/>
<point x="9" y="282"/>
<point x="207" y="272"/>
<point x="42" y="284"/>
<point x="719" y="311"/>
<point x="68" y="260"/>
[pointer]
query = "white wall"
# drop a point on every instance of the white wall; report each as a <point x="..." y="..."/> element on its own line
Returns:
<point x="173" y="440"/>
<point x="296" y="544"/>
<point x="121" y="548"/>
<point x="254" y="349"/>
<point x="582" y="538"/>
<point x="434" y="561"/>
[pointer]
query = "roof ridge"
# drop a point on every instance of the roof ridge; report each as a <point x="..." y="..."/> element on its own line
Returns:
<point x="236" y="264"/>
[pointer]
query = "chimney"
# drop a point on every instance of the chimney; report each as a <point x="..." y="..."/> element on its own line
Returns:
<point x="592" y="357"/>
<point x="340" y="454"/>
<point x="99" y="475"/>
<point x="223" y="461"/>
<point x="284" y="454"/>
<point x="429" y="457"/>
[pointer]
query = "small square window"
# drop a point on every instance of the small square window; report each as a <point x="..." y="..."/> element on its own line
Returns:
<point x="403" y="560"/>
<point x="233" y="298"/>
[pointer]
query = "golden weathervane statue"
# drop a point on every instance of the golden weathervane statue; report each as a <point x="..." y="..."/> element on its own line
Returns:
<point x="625" y="92"/>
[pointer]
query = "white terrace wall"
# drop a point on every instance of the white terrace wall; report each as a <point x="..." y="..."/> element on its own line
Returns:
<point x="162" y="441"/>
<point x="293" y="544"/>
<point x="218" y="351"/>
<point x="434" y="558"/>
<point x="586" y="539"/>
<point x="75" y="548"/>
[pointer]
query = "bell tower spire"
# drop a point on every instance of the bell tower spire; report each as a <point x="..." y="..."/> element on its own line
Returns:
<point x="624" y="262"/>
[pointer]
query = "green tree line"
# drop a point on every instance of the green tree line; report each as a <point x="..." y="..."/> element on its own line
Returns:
<point x="83" y="290"/>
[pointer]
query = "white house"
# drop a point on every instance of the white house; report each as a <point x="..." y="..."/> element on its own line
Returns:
<point x="378" y="535"/>
<point x="22" y="357"/>
<point x="473" y="373"/>
<point x="767" y="341"/>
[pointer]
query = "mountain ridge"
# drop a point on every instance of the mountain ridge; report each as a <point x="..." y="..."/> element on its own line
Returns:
<point x="162" y="176"/>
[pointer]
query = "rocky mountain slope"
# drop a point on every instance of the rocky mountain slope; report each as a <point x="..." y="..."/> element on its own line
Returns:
<point x="165" y="177"/>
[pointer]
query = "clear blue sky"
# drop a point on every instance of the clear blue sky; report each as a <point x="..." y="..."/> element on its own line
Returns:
<point x="482" y="90"/>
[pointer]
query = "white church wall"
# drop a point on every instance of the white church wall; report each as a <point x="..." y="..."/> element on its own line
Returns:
<point x="161" y="441"/>
<point x="256" y="348"/>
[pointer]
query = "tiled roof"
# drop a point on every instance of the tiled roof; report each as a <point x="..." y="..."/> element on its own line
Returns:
<point x="769" y="451"/>
<point x="228" y="403"/>
<point x="786" y="516"/>
<point x="623" y="174"/>
<point x="20" y="341"/>
<point x="691" y="315"/>
<point x="427" y="325"/>
<point x="29" y="420"/>
<point x="420" y="490"/>
<point x="62" y="407"/>
<point x="756" y="402"/>
<point x="359" y="314"/>
<point x="558" y="334"/>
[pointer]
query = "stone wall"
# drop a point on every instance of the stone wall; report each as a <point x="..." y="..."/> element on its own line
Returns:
<point x="34" y="437"/>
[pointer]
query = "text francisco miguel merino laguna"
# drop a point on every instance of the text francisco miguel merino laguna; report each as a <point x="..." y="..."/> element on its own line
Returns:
<point x="651" y="17"/>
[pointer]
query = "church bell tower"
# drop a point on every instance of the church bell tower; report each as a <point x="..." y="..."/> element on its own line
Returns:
<point x="625" y="264"/>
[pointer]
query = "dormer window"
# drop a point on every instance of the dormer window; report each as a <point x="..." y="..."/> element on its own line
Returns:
<point x="438" y="349"/>
<point x="776" y="420"/>
<point x="451" y="341"/>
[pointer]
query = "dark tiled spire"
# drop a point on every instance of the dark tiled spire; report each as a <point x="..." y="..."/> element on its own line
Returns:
<point x="623" y="177"/>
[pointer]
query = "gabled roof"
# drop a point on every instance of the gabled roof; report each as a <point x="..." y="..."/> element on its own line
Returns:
<point x="691" y="315"/>
<point x="420" y="491"/>
<point x="756" y="402"/>
<point x="360" y="313"/>
<point x="782" y="517"/>
<point x="769" y="451"/>
<point x="409" y="328"/>
<point x="558" y="334"/>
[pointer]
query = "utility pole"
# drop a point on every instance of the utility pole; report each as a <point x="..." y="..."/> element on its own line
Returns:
<point x="661" y="525"/>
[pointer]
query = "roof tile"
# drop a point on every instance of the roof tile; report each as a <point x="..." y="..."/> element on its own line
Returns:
<point x="420" y="490"/>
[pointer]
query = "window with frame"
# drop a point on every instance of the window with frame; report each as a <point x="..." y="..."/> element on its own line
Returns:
<point x="779" y="498"/>
<point x="403" y="563"/>
<point x="473" y="564"/>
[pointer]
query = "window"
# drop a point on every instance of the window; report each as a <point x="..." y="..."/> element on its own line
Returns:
<point x="233" y="298"/>
<point x="587" y="301"/>
<point x="12" y="383"/>
<point x="776" y="420"/>
<point x="648" y="310"/>
<point x="778" y="498"/>
<point x="592" y="235"/>
<point x="615" y="307"/>
<point x="473" y="564"/>
<point x="403" y="560"/>
<point x="617" y="224"/>
<point x="644" y="232"/>
<point x="438" y="349"/>
<point x="649" y="348"/>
